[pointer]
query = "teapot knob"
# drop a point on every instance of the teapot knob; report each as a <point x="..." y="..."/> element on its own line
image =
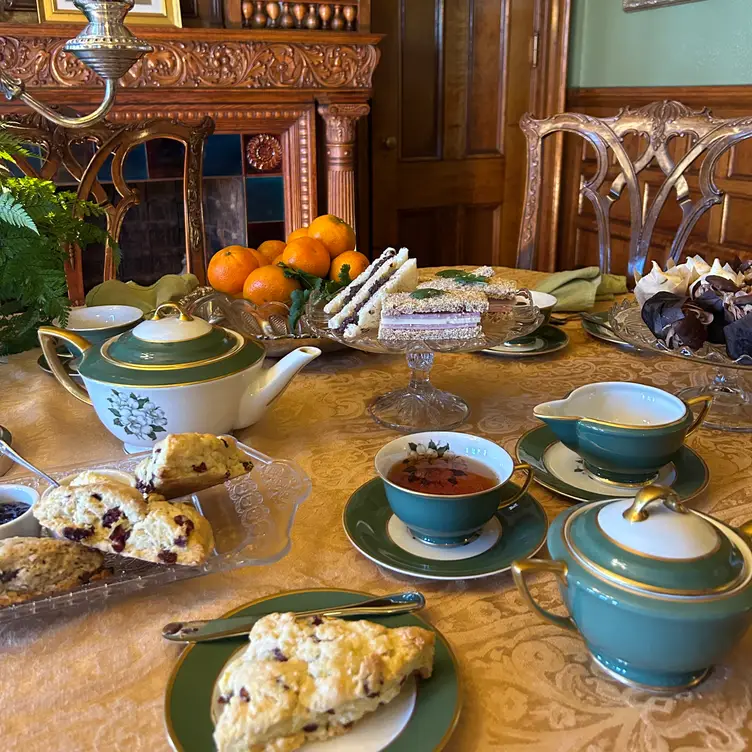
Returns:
<point x="637" y="511"/>
<point x="165" y="308"/>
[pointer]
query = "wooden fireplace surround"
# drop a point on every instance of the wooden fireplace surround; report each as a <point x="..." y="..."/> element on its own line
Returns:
<point x="269" y="81"/>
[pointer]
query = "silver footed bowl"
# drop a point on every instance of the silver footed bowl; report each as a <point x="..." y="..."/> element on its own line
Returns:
<point x="520" y="319"/>
<point x="626" y="321"/>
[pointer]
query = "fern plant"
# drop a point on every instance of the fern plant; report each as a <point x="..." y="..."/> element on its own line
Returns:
<point x="37" y="224"/>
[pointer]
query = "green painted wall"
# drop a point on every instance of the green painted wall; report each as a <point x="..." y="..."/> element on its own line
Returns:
<point x="698" y="44"/>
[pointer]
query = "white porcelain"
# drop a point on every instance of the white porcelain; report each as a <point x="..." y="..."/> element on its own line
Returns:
<point x="85" y="319"/>
<point x="665" y="533"/>
<point x="543" y="301"/>
<point x="617" y="402"/>
<point x="25" y="526"/>
<point x="171" y="330"/>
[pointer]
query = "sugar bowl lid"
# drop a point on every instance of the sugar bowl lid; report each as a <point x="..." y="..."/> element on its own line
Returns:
<point x="654" y="545"/>
<point x="171" y="348"/>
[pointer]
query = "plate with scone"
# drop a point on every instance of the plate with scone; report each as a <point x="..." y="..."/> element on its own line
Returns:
<point x="196" y="504"/>
<point x="315" y="683"/>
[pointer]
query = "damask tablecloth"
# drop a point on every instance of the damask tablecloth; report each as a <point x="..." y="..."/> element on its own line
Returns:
<point x="96" y="681"/>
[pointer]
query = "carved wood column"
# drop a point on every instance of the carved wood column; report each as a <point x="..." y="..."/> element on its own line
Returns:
<point x="340" y="119"/>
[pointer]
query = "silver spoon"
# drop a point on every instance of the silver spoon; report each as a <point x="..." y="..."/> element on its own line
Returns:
<point x="7" y="450"/>
<point x="232" y="626"/>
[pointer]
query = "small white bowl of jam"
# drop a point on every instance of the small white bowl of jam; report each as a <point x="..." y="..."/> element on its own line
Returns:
<point x="16" y="516"/>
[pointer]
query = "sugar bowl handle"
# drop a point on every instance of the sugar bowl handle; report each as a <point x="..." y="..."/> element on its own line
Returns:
<point x="559" y="568"/>
<point x="637" y="510"/>
<point x="167" y="308"/>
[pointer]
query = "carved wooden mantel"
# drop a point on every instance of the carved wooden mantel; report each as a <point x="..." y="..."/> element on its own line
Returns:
<point x="233" y="76"/>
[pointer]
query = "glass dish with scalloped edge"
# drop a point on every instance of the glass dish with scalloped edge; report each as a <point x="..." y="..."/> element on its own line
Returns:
<point x="251" y="516"/>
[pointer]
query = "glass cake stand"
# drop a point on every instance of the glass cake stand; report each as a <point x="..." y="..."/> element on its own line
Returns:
<point x="420" y="406"/>
<point x="732" y="403"/>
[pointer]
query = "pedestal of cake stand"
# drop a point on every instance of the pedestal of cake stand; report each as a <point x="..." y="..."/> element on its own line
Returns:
<point x="732" y="403"/>
<point x="419" y="406"/>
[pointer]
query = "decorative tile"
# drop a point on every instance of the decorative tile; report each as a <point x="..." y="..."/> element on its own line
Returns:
<point x="265" y="199"/>
<point x="262" y="154"/>
<point x="166" y="158"/>
<point x="223" y="155"/>
<point x="224" y="213"/>
<point x="258" y="232"/>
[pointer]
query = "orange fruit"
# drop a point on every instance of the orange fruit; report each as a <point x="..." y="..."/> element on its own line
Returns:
<point x="277" y="259"/>
<point x="307" y="255"/>
<point x="354" y="259"/>
<point x="262" y="260"/>
<point x="268" y="284"/>
<point x="271" y="249"/>
<point x="229" y="268"/>
<point x="336" y="235"/>
<point x="301" y="233"/>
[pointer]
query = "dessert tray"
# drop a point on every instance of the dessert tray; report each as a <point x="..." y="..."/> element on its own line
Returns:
<point x="251" y="517"/>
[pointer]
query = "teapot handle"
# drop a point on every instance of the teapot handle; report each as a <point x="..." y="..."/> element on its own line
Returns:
<point x="559" y="568"/>
<point x="47" y="336"/>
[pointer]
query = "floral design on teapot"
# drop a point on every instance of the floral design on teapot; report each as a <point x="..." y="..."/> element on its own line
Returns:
<point x="137" y="416"/>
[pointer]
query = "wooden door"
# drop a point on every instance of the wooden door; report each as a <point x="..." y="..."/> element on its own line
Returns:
<point x="448" y="157"/>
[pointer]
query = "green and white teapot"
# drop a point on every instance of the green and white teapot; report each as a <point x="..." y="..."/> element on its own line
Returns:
<point x="173" y="373"/>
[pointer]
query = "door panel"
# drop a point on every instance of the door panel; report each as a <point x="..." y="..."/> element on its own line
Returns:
<point x="447" y="154"/>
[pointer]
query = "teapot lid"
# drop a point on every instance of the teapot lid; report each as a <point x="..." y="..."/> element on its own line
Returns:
<point x="170" y="348"/>
<point x="655" y="545"/>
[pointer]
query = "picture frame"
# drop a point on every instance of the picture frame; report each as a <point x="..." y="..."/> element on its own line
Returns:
<point x="144" y="13"/>
<point x="633" y="5"/>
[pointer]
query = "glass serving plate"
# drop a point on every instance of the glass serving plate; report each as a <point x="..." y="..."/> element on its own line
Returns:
<point x="251" y="517"/>
<point x="732" y="403"/>
<point x="420" y="406"/>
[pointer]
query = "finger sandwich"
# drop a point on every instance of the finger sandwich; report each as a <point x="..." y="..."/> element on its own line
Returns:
<point x="357" y="307"/>
<point x="499" y="291"/>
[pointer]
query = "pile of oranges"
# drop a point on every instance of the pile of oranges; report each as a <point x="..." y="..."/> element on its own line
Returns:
<point x="258" y="275"/>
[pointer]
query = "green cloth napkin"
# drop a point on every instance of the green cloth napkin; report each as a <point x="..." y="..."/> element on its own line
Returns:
<point x="578" y="289"/>
<point x="115" y="292"/>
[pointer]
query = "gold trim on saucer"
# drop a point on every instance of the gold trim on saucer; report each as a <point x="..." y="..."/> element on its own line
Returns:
<point x="175" y="744"/>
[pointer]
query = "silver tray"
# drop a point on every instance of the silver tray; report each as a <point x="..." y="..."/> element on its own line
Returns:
<point x="251" y="517"/>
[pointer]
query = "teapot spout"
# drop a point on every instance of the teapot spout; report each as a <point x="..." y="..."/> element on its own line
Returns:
<point x="271" y="384"/>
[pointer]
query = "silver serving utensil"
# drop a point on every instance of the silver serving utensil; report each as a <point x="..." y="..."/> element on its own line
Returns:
<point x="217" y="629"/>
<point x="8" y="451"/>
<point x="603" y="323"/>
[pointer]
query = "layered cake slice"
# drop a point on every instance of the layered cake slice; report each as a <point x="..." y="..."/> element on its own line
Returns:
<point x="500" y="292"/>
<point x="356" y="308"/>
<point x="436" y="316"/>
<point x="301" y="680"/>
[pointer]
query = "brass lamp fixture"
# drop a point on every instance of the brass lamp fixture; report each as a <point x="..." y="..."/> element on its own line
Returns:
<point x="105" y="45"/>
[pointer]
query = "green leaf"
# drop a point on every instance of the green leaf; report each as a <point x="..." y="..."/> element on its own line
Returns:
<point x="118" y="422"/>
<point x="344" y="275"/>
<point x="13" y="213"/>
<point x="299" y="299"/>
<point x="425" y="292"/>
<point x="156" y="428"/>
<point x="432" y="444"/>
<point x="461" y="276"/>
<point x="309" y="281"/>
<point x="128" y="431"/>
<point x="142" y="401"/>
<point x="152" y="435"/>
<point x="115" y="412"/>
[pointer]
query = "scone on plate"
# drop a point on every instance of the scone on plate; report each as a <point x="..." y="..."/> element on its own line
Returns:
<point x="301" y="680"/>
<point x="34" y="567"/>
<point x="114" y="518"/>
<point x="184" y="463"/>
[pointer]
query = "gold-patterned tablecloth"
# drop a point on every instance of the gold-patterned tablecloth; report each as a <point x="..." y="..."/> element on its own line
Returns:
<point x="96" y="681"/>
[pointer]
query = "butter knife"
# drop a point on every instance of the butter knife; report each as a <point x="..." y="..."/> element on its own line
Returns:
<point x="232" y="626"/>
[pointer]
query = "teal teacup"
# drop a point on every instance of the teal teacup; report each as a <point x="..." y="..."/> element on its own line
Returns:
<point x="624" y="432"/>
<point x="449" y="520"/>
<point x="98" y="323"/>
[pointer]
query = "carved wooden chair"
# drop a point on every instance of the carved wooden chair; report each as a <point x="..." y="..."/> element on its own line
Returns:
<point x="658" y="123"/>
<point x="110" y="139"/>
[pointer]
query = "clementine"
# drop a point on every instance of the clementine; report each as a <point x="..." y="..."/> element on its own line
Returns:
<point x="301" y="233"/>
<point x="278" y="259"/>
<point x="268" y="284"/>
<point x="229" y="268"/>
<point x="354" y="259"/>
<point x="262" y="260"/>
<point x="336" y="235"/>
<point x="271" y="249"/>
<point x="307" y="255"/>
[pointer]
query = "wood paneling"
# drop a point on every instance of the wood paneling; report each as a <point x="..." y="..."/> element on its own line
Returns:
<point x="724" y="231"/>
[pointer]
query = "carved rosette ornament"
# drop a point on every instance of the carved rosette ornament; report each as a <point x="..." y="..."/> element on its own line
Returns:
<point x="340" y="120"/>
<point x="41" y="62"/>
<point x="264" y="152"/>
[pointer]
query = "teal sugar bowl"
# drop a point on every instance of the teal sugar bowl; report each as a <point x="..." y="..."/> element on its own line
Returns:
<point x="659" y="593"/>
<point x="442" y="520"/>
<point x="624" y="432"/>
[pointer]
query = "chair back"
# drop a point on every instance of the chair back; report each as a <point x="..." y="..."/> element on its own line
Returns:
<point x="616" y="170"/>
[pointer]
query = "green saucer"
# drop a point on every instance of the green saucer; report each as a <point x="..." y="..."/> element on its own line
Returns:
<point x="428" y="724"/>
<point x="548" y="339"/>
<point x="604" y="332"/>
<point x="368" y="523"/>
<point x="561" y="470"/>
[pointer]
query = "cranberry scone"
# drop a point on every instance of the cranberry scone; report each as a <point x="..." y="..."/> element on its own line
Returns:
<point x="115" y="518"/>
<point x="184" y="463"/>
<point x="34" y="567"/>
<point x="309" y="679"/>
